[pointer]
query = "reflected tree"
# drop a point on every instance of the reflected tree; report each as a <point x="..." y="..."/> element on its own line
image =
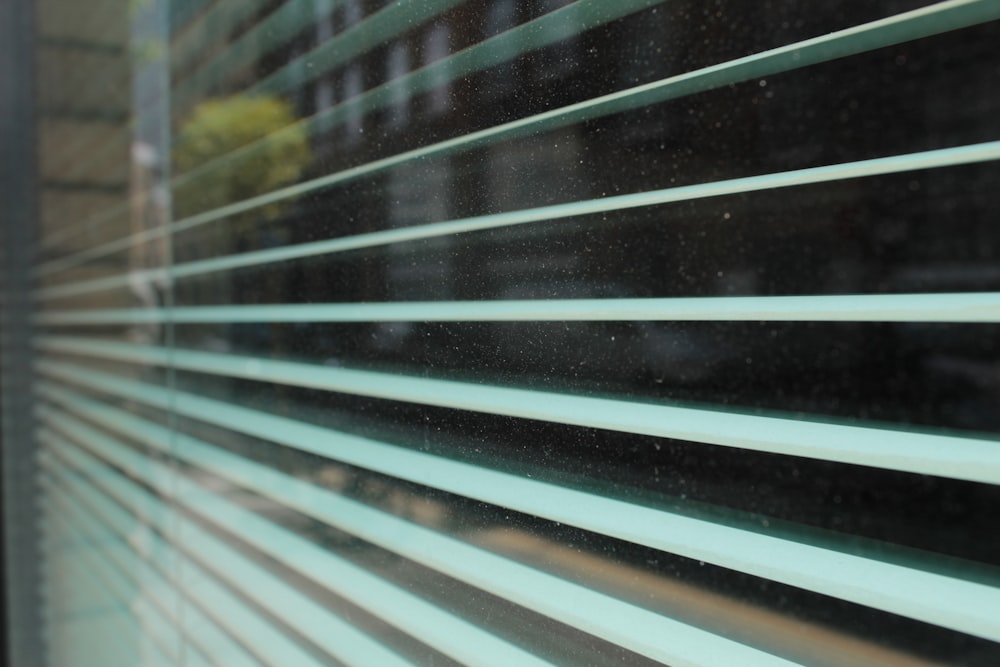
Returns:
<point x="236" y="148"/>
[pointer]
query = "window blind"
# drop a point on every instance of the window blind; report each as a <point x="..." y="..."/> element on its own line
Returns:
<point x="644" y="332"/>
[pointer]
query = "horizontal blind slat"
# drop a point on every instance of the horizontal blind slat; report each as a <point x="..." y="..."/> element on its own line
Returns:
<point x="934" y="159"/>
<point x="265" y="35"/>
<point x="443" y="631"/>
<point x="223" y="563"/>
<point x="446" y="633"/>
<point x="900" y="589"/>
<point x="537" y="33"/>
<point x="935" y="19"/>
<point x="149" y="621"/>
<point x="220" y="18"/>
<point x="380" y="28"/>
<point x="611" y="619"/>
<point x="91" y="600"/>
<point x="972" y="458"/>
<point x="209" y="618"/>
<point x="532" y="35"/>
<point x="283" y="24"/>
<point x="948" y="307"/>
<point x="94" y="639"/>
<point x="221" y="650"/>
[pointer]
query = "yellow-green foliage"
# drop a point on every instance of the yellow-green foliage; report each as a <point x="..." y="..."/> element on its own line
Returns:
<point x="275" y="152"/>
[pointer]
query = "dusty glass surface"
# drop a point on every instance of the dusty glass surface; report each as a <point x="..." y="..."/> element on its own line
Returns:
<point x="527" y="332"/>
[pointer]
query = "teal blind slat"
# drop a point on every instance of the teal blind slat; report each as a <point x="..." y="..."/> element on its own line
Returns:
<point x="374" y="31"/>
<point x="99" y="628"/>
<point x="445" y="632"/>
<point x="532" y="35"/>
<point x="964" y="458"/>
<point x="629" y="626"/>
<point x="216" y="623"/>
<point x="935" y="19"/>
<point x="271" y="32"/>
<point x="226" y="564"/>
<point x="196" y="37"/>
<point x="449" y="634"/>
<point x="583" y="14"/>
<point x="985" y="152"/>
<point x="160" y="640"/>
<point x="931" y="20"/>
<point x="379" y="29"/>
<point x="920" y="594"/>
<point x="957" y="307"/>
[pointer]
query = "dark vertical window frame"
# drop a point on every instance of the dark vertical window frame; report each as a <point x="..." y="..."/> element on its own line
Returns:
<point x="21" y="626"/>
